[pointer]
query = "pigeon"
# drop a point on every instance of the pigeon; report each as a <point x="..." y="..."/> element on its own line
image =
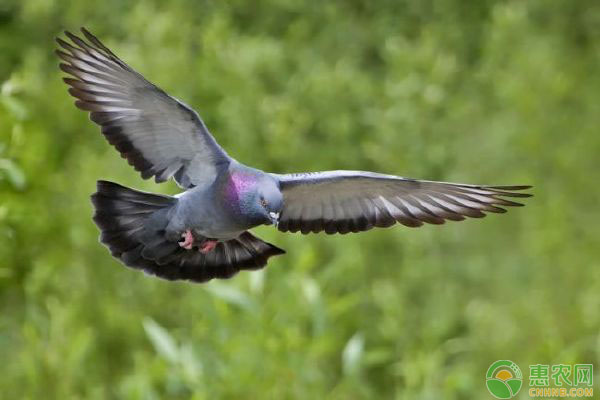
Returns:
<point x="203" y="232"/>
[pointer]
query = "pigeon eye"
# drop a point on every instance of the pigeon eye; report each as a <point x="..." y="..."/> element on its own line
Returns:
<point x="264" y="203"/>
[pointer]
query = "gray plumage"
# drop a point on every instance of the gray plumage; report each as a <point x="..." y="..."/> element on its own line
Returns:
<point x="134" y="227"/>
<point x="202" y="233"/>
<point x="353" y="201"/>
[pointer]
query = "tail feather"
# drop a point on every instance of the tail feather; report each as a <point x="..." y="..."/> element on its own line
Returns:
<point x="133" y="226"/>
<point x="122" y="215"/>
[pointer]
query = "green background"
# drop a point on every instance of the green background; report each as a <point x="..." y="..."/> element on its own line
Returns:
<point x="495" y="92"/>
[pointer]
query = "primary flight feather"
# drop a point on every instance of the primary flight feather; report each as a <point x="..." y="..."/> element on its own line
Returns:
<point x="202" y="233"/>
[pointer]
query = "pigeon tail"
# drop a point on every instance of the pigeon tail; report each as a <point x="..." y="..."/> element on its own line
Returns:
<point x="134" y="228"/>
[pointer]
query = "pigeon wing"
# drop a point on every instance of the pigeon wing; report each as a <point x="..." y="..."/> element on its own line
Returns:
<point x="157" y="134"/>
<point x="353" y="201"/>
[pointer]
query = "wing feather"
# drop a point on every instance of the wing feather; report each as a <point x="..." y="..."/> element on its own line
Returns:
<point x="159" y="136"/>
<point x="352" y="201"/>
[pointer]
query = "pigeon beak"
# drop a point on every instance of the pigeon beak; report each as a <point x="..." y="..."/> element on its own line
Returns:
<point x="274" y="218"/>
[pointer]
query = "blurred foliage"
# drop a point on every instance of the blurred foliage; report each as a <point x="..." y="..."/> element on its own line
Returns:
<point x="498" y="92"/>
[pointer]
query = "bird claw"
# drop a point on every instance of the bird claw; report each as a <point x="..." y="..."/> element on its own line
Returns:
<point x="207" y="246"/>
<point x="188" y="241"/>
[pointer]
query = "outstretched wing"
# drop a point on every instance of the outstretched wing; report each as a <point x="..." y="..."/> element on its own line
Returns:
<point x="353" y="201"/>
<point x="157" y="134"/>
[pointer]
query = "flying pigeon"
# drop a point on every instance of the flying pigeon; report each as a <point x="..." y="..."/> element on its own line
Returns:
<point x="203" y="232"/>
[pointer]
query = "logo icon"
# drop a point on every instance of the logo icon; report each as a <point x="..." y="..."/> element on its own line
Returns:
<point x="504" y="379"/>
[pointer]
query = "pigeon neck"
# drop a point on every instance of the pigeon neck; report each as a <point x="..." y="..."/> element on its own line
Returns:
<point x="239" y="189"/>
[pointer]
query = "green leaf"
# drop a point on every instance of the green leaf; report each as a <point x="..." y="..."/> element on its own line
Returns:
<point x="13" y="173"/>
<point x="163" y="342"/>
<point x="231" y="295"/>
<point x="352" y="354"/>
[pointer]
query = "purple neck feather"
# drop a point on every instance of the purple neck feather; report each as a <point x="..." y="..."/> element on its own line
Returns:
<point x="236" y="187"/>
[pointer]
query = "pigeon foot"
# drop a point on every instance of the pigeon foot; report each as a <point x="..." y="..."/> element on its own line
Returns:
<point x="188" y="240"/>
<point x="207" y="246"/>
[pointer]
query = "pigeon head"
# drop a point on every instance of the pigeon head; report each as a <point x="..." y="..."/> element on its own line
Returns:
<point x="255" y="196"/>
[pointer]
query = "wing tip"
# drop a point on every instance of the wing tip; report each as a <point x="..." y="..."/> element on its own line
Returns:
<point x="511" y="187"/>
<point x="60" y="42"/>
<point x="71" y="36"/>
<point x="89" y="36"/>
<point x="510" y="191"/>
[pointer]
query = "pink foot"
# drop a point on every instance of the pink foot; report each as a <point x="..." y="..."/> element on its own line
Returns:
<point x="208" y="246"/>
<point x="188" y="240"/>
